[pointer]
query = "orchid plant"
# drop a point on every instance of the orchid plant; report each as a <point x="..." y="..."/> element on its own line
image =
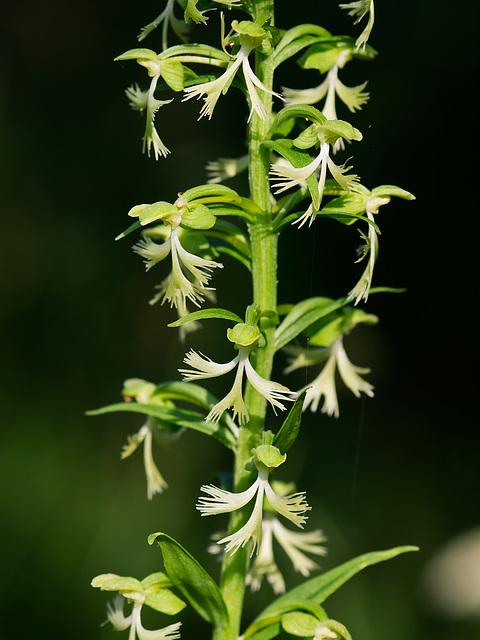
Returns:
<point x="296" y="178"/>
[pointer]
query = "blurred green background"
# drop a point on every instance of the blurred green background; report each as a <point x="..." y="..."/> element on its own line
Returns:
<point x="400" y="469"/>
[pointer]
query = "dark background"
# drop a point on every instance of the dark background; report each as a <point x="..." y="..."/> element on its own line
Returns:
<point x="399" y="469"/>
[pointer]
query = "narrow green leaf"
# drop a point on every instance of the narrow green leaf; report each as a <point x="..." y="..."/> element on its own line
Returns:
<point x="193" y="582"/>
<point x="222" y="314"/>
<point x="319" y="588"/>
<point x="303" y="315"/>
<point x="174" y="419"/>
<point x="289" y="430"/>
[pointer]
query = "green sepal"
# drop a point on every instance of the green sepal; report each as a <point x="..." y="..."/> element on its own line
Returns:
<point x="296" y="39"/>
<point x="288" y="432"/>
<point x="322" y="57"/>
<point x="197" y="216"/>
<point x="193" y="582"/>
<point x="386" y="190"/>
<point x="305" y="111"/>
<point x="299" y="623"/>
<point x="114" y="582"/>
<point x="209" y="191"/>
<point x="307" y="139"/>
<point x="268" y="456"/>
<point x="318" y="589"/>
<point x="147" y="213"/>
<point x="130" y="588"/>
<point x="297" y="159"/>
<point x="243" y="334"/>
<point x="332" y="130"/>
<point x="137" y="54"/>
<point x="173" y="74"/>
<point x="164" y="600"/>
<point x="203" y="314"/>
<point x="303" y="315"/>
<point x="197" y="50"/>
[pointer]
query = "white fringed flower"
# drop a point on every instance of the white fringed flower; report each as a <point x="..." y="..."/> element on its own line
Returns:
<point x="224" y="168"/>
<point x="204" y="368"/>
<point x="166" y="18"/>
<point x="294" y="543"/>
<point x="360" y="8"/>
<point x="352" y="97"/>
<point x="155" y="481"/>
<point x="292" y="507"/>
<point x="287" y="176"/>
<point x="145" y="100"/>
<point x="177" y="288"/>
<point x="212" y="90"/>
<point x="324" y="384"/>
<point x="120" y="622"/>
<point x="361" y="290"/>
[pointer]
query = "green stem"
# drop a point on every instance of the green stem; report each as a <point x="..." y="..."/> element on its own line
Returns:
<point x="264" y="276"/>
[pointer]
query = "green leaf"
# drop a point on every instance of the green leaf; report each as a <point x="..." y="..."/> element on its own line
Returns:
<point x="289" y="430"/>
<point x="319" y="588"/>
<point x="222" y="314"/>
<point x="173" y="419"/>
<point x="133" y="227"/>
<point x="164" y="600"/>
<point x="303" y="315"/>
<point x="193" y="582"/>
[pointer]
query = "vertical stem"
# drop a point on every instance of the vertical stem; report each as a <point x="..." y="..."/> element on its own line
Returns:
<point x="264" y="276"/>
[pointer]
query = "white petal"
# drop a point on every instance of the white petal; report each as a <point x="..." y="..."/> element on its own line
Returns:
<point x="268" y="389"/>
<point x="155" y="481"/>
<point x="213" y="89"/>
<point x="324" y="385"/>
<point x="151" y="252"/>
<point x="291" y="507"/>
<point x="115" y="613"/>
<point x="221" y="501"/>
<point x="294" y="542"/>
<point x="349" y="373"/>
<point x="293" y="176"/>
<point x="167" y="633"/>
<point x="206" y="368"/>
<point x="252" y="530"/>
<point x="306" y="96"/>
<point x="264" y="564"/>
